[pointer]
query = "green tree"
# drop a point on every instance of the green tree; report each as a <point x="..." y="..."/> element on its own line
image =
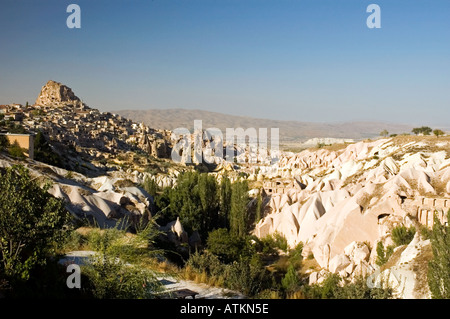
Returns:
<point x="238" y="211"/>
<point x="438" y="132"/>
<point x="384" y="133"/>
<point x="330" y="287"/>
<point x="439" y="266"/>
<point x="227" y="246"/>
<point x="208" y="196"/>
<point x="194" y="199"/>
<point x="416" y="130"/>
<point x="258" y="209"/>
<point x="225" y="201"/>
<point x="16" y="151"/>
<point x="31" y="221"/>
<point x="291" y="280"/>
<point x="4" y="143"/>
<point x="425" y="130"/>
<point x="401" y="235"/>
<point x="15" y="128"/>
<point x="43" y="152"/>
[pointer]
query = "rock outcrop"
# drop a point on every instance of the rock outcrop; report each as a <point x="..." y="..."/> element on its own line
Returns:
<point x="55" y="93"/>
<point x="352" y="198"/>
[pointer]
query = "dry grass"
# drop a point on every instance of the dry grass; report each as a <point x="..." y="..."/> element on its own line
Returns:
<point x="331" y="148"/>
<point x="394" y="258"/>
<point x="308" y="264"/>
<point x="188" y="273"/>
<point x="420" y="268"/>
<point x="430" y="141"/>
<point x="295" y="295"/>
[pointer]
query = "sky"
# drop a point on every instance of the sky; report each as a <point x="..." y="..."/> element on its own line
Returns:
<point x="312" y="60"/>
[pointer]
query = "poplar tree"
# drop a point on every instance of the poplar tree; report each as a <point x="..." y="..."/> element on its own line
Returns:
<point x="439" y="266"/>
<point x="238" y="211"/>
<point x="225" y="201"/>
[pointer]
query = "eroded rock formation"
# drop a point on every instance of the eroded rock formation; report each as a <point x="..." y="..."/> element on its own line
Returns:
<point x="55" y="93"/>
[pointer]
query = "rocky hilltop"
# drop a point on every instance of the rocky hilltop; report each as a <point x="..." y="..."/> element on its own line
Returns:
<point x="53" y="93"/>
<point x="86" y="138"/>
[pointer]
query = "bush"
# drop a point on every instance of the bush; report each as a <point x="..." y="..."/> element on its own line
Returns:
<point x="438" y="132"/>
<point x="333" y="287"/>
<point x="43" y="151"/>
<point x="383" y="255"/>
<point x="228" y="247"/>
<point x="273" y="242"/>
<point x="110" y="278"/>
<point x="291" y="280"/>
<point x="4" y="143"/>
<point x="248" y="276"/>
<point x="402" y="235"/>
<point x="16" y="151"/>
<point x="295" y="255"/>
<point x="31" y="222"/>
<point x="117" y="271"/>
<point x="206" y="262"/>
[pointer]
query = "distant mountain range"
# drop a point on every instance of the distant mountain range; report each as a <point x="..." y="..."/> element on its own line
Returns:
<point x="290" y="131"/>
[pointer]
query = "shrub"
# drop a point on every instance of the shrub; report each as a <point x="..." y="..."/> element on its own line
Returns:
<point x="295" y="255"/>
<point x="16" y="151"/>
<point x="117" y="270"/>
<point x="4" y="143"/>
<point x="402" y="235"/>
<point x="110" y="278"/>
<point x="205" y="262"/>
<point x="43" y="152"/>
<point x="31" y="222"/>
<point x="228" y="246"/>
<point x="247" y="276"/>
<point x="383" y="255"/>
<point x="291" y="280"/>
<point x="333" y="287"/>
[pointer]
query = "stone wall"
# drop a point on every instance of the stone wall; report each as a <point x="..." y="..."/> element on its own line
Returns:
<point x="424" y="208"/>
<point x="25" y="141"/>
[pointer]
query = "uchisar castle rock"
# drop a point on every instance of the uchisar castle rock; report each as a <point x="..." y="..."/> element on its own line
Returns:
<point x="340" y="202"/>
<point x="84" y="135"/>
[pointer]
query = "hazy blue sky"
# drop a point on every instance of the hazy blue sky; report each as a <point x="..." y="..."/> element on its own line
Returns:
<point x="299" y="60"/>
